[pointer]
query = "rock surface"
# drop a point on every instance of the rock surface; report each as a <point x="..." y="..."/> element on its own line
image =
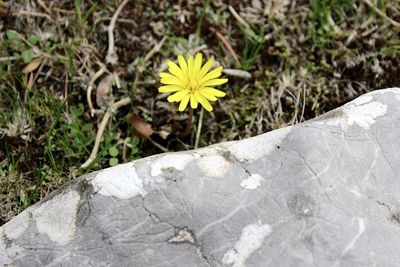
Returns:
<point x="322" y="193"/>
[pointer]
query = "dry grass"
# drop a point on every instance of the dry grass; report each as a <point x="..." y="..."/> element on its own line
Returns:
<point x="299" y="59"/>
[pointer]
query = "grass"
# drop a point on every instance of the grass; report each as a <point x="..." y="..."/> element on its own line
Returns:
<point x="304" y="60"/>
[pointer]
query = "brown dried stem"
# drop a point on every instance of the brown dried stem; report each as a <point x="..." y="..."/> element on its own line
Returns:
<point x="102" y="126"/>
<point x="228" y="46"/>
<point x="112" y="57"/>
<point x="90" y="88"/>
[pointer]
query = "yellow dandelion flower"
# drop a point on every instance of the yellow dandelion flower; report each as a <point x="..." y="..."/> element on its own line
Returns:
<point x="191" y="82"/>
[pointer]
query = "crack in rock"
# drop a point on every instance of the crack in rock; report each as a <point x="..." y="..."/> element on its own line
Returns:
<point x="185" y="235"/>
<point x="393" y="216"/>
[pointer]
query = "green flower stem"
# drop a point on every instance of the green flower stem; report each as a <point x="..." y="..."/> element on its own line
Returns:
<point x="188" y="130"/>
<point x="196" y="143"/>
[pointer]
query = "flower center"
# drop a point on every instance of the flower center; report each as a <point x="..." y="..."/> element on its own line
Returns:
<point x="192" y="86"/>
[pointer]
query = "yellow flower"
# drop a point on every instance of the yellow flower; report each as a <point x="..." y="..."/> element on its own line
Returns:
<point x="191" y="82"/>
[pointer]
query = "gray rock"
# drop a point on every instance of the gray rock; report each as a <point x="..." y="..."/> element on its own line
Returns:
<point x="322" y="193"/>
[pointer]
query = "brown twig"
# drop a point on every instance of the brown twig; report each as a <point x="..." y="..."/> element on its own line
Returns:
<point x="90" y="88"/>
<point x="99" y="135"/>
<point x="32" y="14"/>
<point x="44" y="61"/>
<point x="238" y="17"/>
<point x="10" y="58"/>
<point x="102" y="126"/>
<point x="162" y="148"/>
<point x="40" y="2"/>
<point x="102" y="19"/>
<point x="147" y="57"/>
<point x="154" y="50"/>
<point x="66" y="94"/>
<point x="237" y="73"/>
<point x="228" y="46"/>
<point x="123" y="102"/>
<point x="112" y="57"/>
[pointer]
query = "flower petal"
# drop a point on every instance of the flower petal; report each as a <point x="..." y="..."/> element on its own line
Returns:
<point x="204" y="102"/>
<point x="167" y="78"/>
<point x="206" y="68"/>
<point x="184" y="103"/>
<point x="169" y="88"/>
<point x="175" y="70"/>
<point x="193" y="101"/>
<point x="214" y="82"/>
<point x="169" y="82"/>
<point x="183" y="64"/>
<point x="197" y="64"/>
<point x="190" y="67"/>
<point x="208" y="96"/>
<point x="178" y="96"/>
<point x="212" y="74"/>
<point x="212" y="91"/>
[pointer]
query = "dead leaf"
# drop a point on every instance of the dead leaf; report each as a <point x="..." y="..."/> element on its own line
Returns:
<point x="104" y="90"/>
<point x="163" y="134"/>
<point x="3" y="9"/>
<point x="142" y="128"/>
<point x="30" y="81"/>
<point x="33" y="65"/>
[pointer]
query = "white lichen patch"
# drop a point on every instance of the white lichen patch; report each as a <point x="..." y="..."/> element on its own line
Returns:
<point x="214" y="165"/>
<point x="56" y="217"/>
<point x="252" y="182"/>
<point x="361" y="111"/>
<point x="364" y="115"/>
<point x="177" y="161"/>
<point x="120" y="181"/>
<point x="251" y="239"/>
<point x="362" y="99"/>
<point x="258" y="146"/>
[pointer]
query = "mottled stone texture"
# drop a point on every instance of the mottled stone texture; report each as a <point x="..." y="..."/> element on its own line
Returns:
<point x="321" y="193"/>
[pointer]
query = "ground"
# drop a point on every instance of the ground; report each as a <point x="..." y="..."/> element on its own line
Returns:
<point x="298" y="59"/>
